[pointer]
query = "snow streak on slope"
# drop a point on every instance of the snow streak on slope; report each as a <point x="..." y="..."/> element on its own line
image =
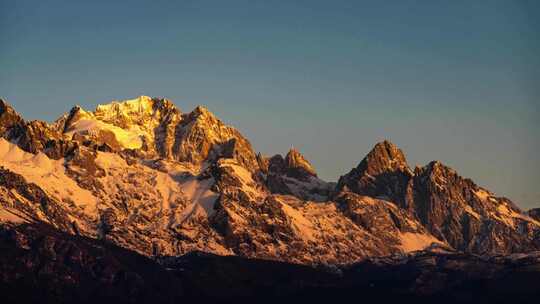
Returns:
<point x="48" y="174"/>
<point x="416" y="241"/>
<point x="129" y="139"/>
<point x="303" y="227"/>
<point x="201" y="197"/>
<point x="178" y="197"/>
<point x="124" y="179"/>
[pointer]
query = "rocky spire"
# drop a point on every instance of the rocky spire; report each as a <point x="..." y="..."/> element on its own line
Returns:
<point x="382" y="173"/>
<point x="384" y="157"/>
<point x="263" y="163"/>
<point x="297" y="165"/>
<point x="9" y="118"/>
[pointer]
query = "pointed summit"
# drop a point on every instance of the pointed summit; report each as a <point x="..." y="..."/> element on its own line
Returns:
<point x="384" y="157"/>
<point x="9" y="118"/>
<point x="297" y="165"/>
<point x="201" y="136"/>
<point x="201" y="110"/>
<point x="382" y="173"/>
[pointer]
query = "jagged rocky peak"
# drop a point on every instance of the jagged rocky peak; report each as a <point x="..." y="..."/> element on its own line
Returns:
<point x="467" y="216"/>
<point x="383" y="173"/>
<point x="437" y="177"/>
<point x="297" y="165"/>
<point x="384" y="157"/>
<point x="32" y="136"/>
<point x="143" y="111"/>
<point x="75" y="114"/>
<point x="201" y="110"/>
<point x="156" y="128"/>
<point x="263" y="163"/>
<point x="9" y="118"/>
<point x="294" y="165"/>
<point x="294" y="175"/>
<point x="201" y="136"/>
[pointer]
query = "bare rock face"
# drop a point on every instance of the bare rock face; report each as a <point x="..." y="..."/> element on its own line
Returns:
<point x="263" y="163"/>
<point x="9" y="119"/>
<point x="452" y="208"/>
<point x="297" y="166"/>
<point x="33" y="136"/>
<point x="467" y="216"/>
<point x="294" y="165"/>
<point x="26" y="202"/>
<point x="382" y="173"/>
<point x="294" y="175"/>
<point x="201" y="136"/>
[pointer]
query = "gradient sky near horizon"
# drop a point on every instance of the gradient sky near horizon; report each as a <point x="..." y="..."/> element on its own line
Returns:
<point x="456" y="81"/>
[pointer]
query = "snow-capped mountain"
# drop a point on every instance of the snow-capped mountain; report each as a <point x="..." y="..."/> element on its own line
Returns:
<point x="149" y="178"/>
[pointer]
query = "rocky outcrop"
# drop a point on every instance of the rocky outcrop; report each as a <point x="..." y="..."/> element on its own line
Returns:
<point x="26" y="202"/>
<point x="294" y="175"/>
<point x="203" y="137"/>
<point x="383" y="173"/>
<point x="32" y="136"/>
<point x="384" y="219"/>
<point x="467" y="216"/>
<point x="297" y="166"/>
<point x="10" y="120"/>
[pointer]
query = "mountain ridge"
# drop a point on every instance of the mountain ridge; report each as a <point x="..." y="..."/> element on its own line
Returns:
<point x="149" y="178"/>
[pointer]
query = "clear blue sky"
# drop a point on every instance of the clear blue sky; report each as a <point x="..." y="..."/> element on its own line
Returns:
<point x="456" y="81"/>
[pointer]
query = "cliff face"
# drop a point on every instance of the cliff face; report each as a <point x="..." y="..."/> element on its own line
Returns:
<point x="149" y="178"/>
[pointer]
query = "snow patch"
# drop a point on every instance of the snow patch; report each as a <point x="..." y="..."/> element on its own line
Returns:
<point x="142" y="104"/>
<point x="199" y="193"/>
<point x="416" y="241"/>
<point x="128" y="139"/>
<point x="49" y="175"/>
<point x="304" y="228"/>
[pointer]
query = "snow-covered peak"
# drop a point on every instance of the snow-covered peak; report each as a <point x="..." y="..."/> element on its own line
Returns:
<point x="132" y="107"/>
<point x="157" y="128"/>
<point x="129" y="124"/>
